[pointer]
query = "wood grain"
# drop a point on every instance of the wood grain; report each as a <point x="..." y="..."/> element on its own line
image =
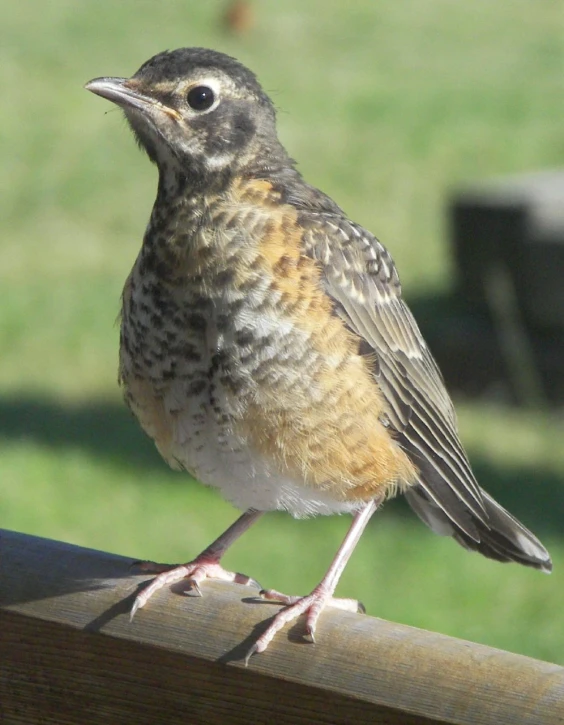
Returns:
<point x="68" y="654"/>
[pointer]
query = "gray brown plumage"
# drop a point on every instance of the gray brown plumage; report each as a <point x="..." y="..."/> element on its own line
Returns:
<point x="265" y="345"/>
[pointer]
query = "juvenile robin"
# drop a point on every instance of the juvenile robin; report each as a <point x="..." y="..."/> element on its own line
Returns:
<point x="265" y="346"/>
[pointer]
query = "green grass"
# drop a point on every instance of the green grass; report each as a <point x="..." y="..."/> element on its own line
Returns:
<point x="386" y="106"/>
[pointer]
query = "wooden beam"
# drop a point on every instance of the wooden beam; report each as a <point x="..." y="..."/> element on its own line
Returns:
<point x="69" y="655"/>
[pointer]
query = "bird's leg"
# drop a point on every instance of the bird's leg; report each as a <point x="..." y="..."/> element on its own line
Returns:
<point x="205" y="566"/>
<point x="312" y="604"/>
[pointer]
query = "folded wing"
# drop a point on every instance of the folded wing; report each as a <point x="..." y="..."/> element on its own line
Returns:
<point x="359" y="275"/>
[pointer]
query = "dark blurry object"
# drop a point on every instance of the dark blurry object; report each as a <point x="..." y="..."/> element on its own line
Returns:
<point x="239" y="17"/>
<point x="504" y="328"/>
<point x="515" y="225"/>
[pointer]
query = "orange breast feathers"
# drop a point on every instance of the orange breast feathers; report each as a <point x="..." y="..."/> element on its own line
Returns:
<point x="327" y="427"/>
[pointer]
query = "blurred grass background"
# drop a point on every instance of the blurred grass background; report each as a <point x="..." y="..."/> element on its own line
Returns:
<point x="386" y="106"/>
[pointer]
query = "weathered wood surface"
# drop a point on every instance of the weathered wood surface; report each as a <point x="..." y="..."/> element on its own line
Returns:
<point x="69" y="655"/>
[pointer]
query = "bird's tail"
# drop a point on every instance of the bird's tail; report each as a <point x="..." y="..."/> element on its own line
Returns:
<point x="503" y="538"/>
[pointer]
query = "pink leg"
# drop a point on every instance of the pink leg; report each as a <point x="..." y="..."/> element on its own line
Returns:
<point x="312" y="604"/>
<point x="204" y="566"/>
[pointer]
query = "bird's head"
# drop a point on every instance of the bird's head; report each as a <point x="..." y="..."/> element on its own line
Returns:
<point x="198" y="111"/>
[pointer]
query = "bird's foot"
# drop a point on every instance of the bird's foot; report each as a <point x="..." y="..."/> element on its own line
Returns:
<point x="202" y="567"/>
<point x="311" y="605"/>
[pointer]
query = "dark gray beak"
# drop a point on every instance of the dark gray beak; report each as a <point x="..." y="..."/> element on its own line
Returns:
<point x="121" y="92"/>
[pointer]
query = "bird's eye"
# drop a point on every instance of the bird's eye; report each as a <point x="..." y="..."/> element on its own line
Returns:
<point x="200" y="98"/>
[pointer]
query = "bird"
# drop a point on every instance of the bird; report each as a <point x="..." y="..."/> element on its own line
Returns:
<point x="265" y="345"/>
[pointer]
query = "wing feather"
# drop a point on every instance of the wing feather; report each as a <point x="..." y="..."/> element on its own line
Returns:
<point x="360" y="276"/>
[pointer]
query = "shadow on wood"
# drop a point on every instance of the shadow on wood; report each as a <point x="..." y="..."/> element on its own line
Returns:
<point x="68" y="654"/>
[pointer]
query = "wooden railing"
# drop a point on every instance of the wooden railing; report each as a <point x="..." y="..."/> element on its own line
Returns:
<point x="69" y="655"/>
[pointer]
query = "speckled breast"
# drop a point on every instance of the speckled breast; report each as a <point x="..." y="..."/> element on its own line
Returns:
<point x="234" y="363"/>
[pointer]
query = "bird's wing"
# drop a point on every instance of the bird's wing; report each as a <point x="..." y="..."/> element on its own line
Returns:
<point x="359" y="275"/>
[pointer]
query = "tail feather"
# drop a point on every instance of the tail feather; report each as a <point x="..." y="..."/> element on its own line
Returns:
<point x="503" y="538"/>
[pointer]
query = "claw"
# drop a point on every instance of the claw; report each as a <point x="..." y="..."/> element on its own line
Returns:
<point x="253" y="650"/>
<point x="134" y="608"/>
<point x="195" y="587"/>
<point x="310" y="634"/>
<point x="251" y="583"/>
